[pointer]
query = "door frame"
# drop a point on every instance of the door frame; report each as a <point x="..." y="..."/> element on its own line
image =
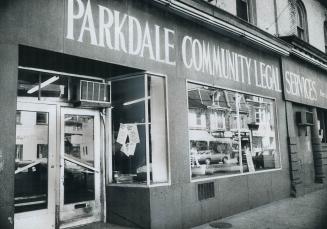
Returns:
<point x="43" y="217"/>
<point x="66" y="208"/>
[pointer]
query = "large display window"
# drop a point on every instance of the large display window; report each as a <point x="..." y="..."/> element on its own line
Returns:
<point x="139" y="123"/>
<point x="230" y="132"/>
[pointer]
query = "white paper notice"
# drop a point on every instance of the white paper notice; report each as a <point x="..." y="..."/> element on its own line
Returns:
<point x="122" y="134"/>
<point x="133" y="133"/>
<point x="128" y="149"/>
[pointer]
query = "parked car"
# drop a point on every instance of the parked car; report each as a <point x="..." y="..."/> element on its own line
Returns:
<point x="220" y="150"/>
<point x="209" y="156"/>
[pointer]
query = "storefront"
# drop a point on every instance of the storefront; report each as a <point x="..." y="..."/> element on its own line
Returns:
<point x="305" y="92"/>
<point x="128" y="113"/>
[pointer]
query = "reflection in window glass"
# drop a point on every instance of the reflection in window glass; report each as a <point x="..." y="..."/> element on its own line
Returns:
<point x="79" y="158"/>
<point x="41" y="118"/>
<point x="41" y="85"/>
<point x="132" y="127"/>
<point x="240" y="134"/>
<point x="79" y="183"/>
<point x="27" y="81"/>
<point x="54" y="86"/>
<point x="18" y="117"/>
<point x="31" y="164"/>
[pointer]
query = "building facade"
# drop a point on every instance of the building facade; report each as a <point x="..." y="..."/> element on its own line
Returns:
<point x="158" y="114"/>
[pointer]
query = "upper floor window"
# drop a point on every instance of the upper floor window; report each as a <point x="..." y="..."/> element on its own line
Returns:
<point x="242" y="10"/>
<point x="245" y="10"/>
<point x="301" y="21"/>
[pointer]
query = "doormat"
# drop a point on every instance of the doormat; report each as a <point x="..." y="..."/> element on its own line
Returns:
<point x="220" y="225"/>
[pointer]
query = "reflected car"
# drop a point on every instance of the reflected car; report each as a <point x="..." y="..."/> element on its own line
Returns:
<point x="210" y="157"/>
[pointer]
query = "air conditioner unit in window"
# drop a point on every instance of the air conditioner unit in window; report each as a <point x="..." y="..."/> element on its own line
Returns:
<point x="304" y="118"/>
<point x="86" y="93"/>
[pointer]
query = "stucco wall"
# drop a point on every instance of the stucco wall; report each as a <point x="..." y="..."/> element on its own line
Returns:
<point x="315" y="17"/>
<point x="229" y="6"/>
<point x="177" y="206"/>
<point x="284" y="18"/>
<point x="266" y="16"/>
<point x="174" y="206"/>
<point x="8" y="82"/>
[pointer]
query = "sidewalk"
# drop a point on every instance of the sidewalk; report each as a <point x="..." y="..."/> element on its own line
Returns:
<point x="307" y="212"/>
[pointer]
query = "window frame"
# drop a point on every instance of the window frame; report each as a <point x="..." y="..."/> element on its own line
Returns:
<point x="148" y="183"/>
<point x="301" y="21"/>
<point x="250" y="10"/>
<point x="274" y="99"/>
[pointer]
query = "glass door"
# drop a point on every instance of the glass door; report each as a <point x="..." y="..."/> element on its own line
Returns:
<point x="35" y="165"/>
<point x="80" y="167"/>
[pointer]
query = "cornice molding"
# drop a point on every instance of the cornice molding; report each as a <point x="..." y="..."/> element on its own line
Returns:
<point x="188" y="11"/>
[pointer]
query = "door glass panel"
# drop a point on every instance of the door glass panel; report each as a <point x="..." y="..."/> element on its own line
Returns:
<point x="31" y="162"/>
<point x="79" y="183"/>
<point x="79" y="158"/>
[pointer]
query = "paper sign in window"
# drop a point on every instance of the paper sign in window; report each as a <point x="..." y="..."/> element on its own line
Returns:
<point x="128" y="149"/>
<point x="122" y="134"/>
<point x="133" y="133"/>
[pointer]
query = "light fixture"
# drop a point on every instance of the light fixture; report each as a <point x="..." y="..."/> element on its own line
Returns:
<point x="136" y="101"/>
<point x="42" y="85"/>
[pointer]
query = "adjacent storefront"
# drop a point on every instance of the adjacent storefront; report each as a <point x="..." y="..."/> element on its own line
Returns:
<point x="130" y="114"/>
<point x="305" y="88"/>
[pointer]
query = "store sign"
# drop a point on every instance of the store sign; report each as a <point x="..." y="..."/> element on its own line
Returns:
<point x="114" y="30"/>
<point x="224" y="63"/>
<point x="304" y="84"/>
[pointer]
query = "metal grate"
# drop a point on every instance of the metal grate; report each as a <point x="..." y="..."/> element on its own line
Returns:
<point x="206" y="191"/>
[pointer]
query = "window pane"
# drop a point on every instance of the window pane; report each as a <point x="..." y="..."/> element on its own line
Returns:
<point x="79" y="183"/>
<point x="79" y="138"/>
<point x="37" y="84"/>
<point x="263" y="133"/>
<point x="28" y="83"/>
<point x="53" y="86"/>
<point x="129" y="132"/>
<point x="237" y="124"/>
<point x="31" y="163"/>
<point x="79" y="155"/>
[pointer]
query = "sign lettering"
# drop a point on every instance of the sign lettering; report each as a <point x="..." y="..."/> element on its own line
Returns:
<point x="114" y="30"/>
<point x="120" y="32"/>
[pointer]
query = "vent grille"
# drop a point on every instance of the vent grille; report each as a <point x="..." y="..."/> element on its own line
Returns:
<point x="94" y="91"/>
<point x="206" y="191"/>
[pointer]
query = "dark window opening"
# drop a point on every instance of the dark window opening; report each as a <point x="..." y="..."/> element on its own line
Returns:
<point x="242" y="9"/>
<point x="301" y="21"/>
<point x="41" y="118"/>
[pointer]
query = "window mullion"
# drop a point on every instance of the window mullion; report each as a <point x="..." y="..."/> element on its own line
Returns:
<point x="147" y="144"/>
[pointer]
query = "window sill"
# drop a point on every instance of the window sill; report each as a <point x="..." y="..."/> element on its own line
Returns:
<point x="137" y="185"/>
<point x="233" y="175"/>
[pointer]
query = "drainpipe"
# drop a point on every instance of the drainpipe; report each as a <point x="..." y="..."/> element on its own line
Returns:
<point x="276" y="18"/>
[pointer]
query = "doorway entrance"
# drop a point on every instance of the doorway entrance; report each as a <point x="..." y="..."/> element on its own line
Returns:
<point x="58" y="173"/>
